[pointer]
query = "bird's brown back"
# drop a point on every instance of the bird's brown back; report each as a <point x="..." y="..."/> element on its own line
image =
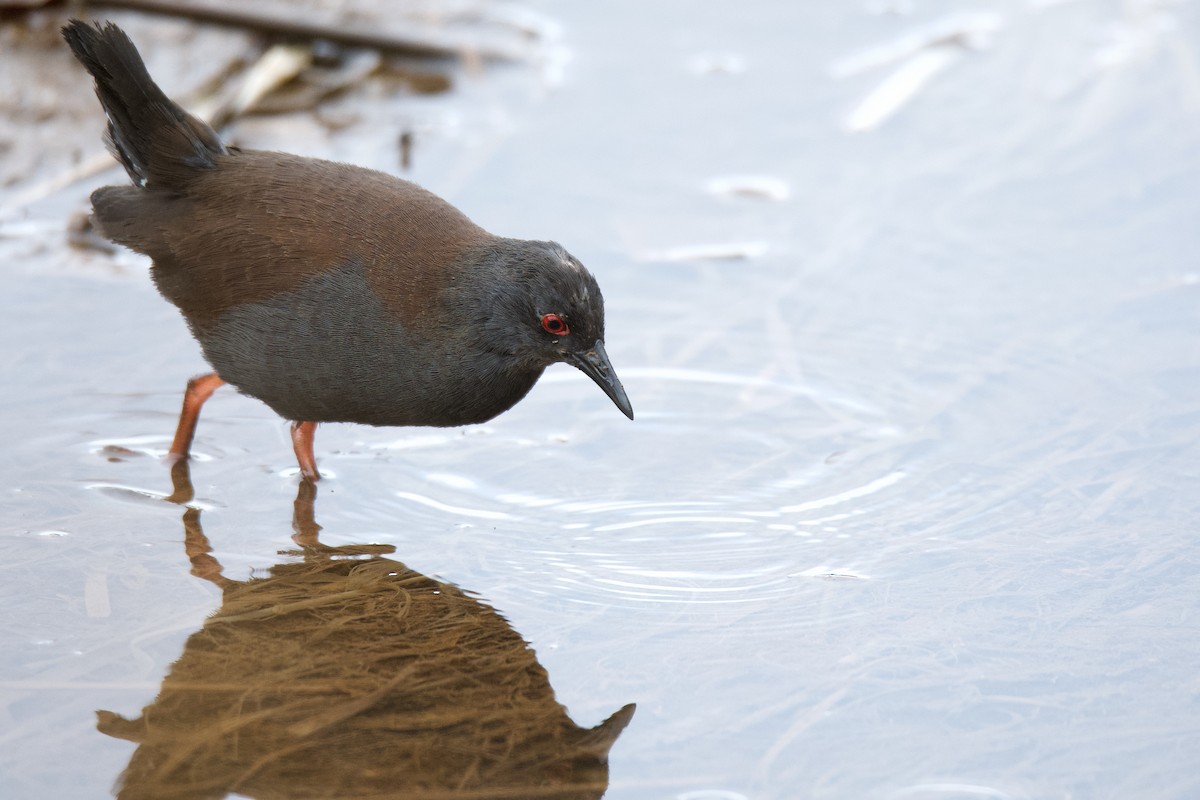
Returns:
<point x="261" y="223"/>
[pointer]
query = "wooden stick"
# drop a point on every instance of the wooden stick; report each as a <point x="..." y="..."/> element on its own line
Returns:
<point x="357" y="35"/>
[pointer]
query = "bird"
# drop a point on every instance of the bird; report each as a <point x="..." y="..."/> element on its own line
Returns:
<point x="328" y="291"/>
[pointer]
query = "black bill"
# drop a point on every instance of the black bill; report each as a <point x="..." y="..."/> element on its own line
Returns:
<point x="595" y="364"/>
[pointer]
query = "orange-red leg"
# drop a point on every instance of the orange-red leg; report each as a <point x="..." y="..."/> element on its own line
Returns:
<point x="302" y="443"/>
<point x="199" y="389"/>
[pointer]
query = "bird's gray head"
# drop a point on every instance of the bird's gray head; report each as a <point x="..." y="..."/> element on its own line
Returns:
<point x="544" y="306"/>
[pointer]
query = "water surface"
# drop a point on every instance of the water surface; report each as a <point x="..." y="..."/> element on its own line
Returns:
<point x="908" y="509"/>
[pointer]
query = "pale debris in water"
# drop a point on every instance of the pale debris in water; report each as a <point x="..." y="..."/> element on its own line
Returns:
<point x="966" y="31"/>
<point x="898" y="88"/>
<point x="727" y="251"/>
<point x="279" y="65"/>
<point x="831" y="573"/>
<point x="759" y="186"/>
<point x="923" y="53"/>
<point x="717" y="64"/>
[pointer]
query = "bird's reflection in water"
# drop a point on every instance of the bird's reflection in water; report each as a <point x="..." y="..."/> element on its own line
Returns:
<point x="344" y="674"/>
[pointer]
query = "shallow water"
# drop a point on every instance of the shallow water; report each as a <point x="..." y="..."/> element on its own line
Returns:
<point x="909" y="506"/>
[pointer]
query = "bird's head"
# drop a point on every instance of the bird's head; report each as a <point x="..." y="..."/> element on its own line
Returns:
<point x="544" y="306"/>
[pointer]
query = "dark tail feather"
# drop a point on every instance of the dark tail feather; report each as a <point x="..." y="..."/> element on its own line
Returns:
<point x="159" y="144"/>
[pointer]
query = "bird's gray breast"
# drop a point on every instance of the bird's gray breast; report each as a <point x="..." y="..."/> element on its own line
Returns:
<point x="330" y="351"/>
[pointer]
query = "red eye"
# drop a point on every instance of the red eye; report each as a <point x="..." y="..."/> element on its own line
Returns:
<point x="555" y="324"/>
